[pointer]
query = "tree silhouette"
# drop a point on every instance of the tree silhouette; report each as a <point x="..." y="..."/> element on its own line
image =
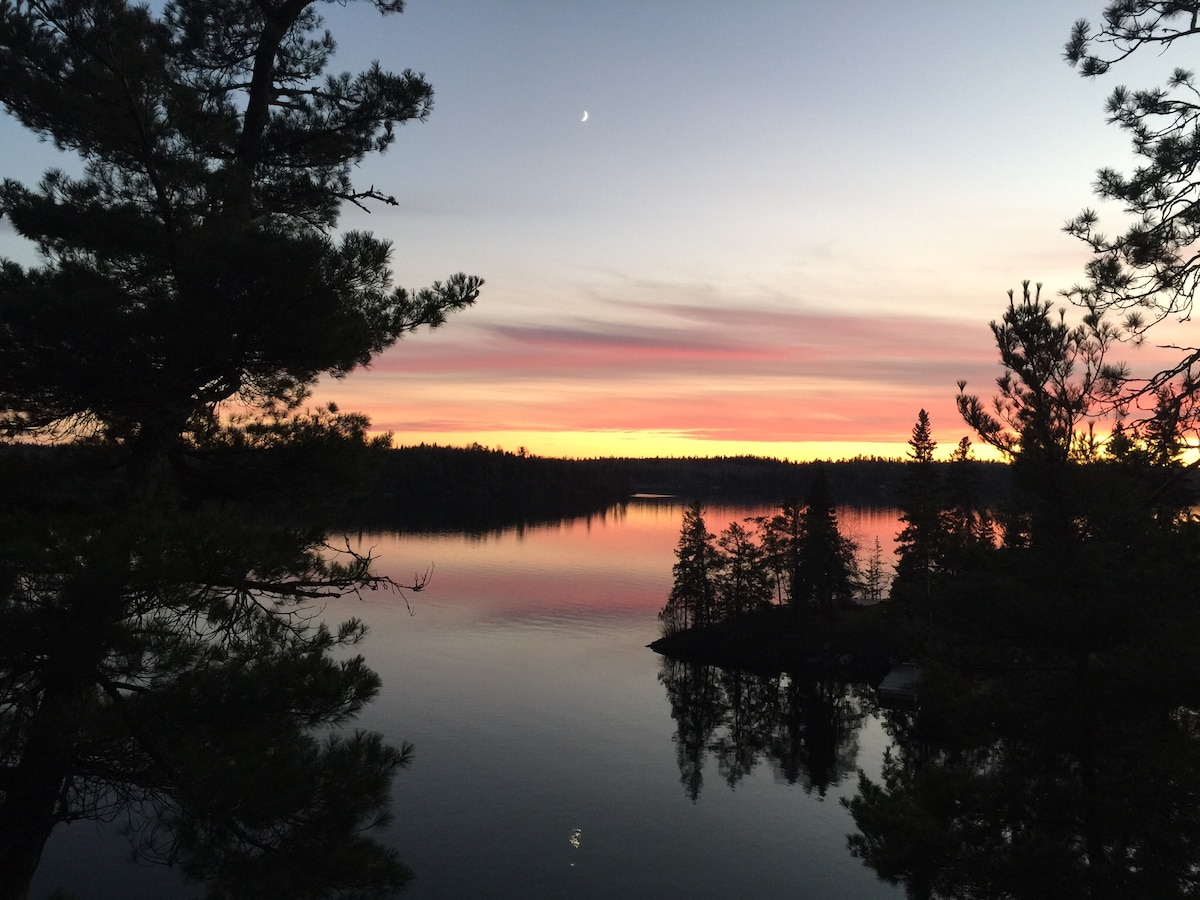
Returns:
<point x="743" y="581"/>
<point x="161" y="649"/>
<point x="875" y="576"/>
<point x="1053" y="753"/>
<point x="824" y="576"/>
<point x="783" y="538"/>
<point x="692" y="603"/>
<point x="921" y="541"/>
<point x="1149" y="271"/>
<point x="1055" y="378"/>
<point x="1149" y="267"/>
<point x="192" y="261"/>
<point x="804" y="727"/>
<point x="164" y="661"/>
<point x="698" y="707"/>
<point x="970" y="526"/>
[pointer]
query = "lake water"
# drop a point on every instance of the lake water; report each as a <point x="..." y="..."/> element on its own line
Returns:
<point x="548" y="761"/>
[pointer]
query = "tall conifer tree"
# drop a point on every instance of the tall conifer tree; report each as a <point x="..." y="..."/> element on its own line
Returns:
<point x="151" y="652"/>
<point x="919" y="544"/>
<point x="194" y="258"/>
<point x="743" y="579"/>
<point x="825" y="574"/>
<point x="692" y="603"/>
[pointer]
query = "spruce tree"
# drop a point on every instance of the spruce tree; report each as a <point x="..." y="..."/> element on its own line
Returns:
<point x="875" y="578"/>
<point x="824" y="576"/>
<point x="787" y="529"/>
<point x="919" y="544"/>
<point x="692" y="602"/>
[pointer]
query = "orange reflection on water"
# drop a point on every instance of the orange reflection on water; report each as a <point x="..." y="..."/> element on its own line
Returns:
<point x="610" y="563"/>
<point x="617" y="563"/>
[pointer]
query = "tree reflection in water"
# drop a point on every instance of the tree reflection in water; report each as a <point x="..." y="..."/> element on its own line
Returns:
<point x="807" y="731"/>
<point x="1037" y="784"/>
<point x="1021" y="783"/>
<point x="163" y="667"/>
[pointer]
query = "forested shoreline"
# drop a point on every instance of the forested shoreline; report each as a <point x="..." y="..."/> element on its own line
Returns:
<point x="440" y="488"/>
<point x="451" y="488"/>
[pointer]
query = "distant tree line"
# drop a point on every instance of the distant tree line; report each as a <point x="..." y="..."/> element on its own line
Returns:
<point x="865" y="481"/>
<point x="431" y="487"/>
<point x="478" y="489"/>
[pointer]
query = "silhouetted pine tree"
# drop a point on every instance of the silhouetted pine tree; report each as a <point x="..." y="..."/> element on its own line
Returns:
<point x="875" y="578"/>
<point x="919" y="544"/>
<point x="693" y="596"/>
<point x="825" y="572"/>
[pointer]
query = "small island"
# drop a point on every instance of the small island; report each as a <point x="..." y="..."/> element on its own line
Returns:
<point x="778" y="593"/>
<point x="855" y="643"/>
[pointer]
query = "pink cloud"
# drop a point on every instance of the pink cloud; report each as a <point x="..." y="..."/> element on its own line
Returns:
<point x="709" y="373"/>
<point x="703" y="342"/>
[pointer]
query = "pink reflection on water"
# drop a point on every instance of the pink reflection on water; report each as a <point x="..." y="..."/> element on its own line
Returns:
<point x="615" y="564"/>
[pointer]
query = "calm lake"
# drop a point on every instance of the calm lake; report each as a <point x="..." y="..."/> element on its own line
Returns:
<point x="553" y="757"/>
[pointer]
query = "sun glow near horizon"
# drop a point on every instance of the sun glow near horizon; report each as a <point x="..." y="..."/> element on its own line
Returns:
<point x="651" y="445"/>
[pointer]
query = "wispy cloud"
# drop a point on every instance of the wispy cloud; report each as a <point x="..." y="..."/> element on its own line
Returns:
<point x="695" y="342"/>
<point x="705" y="372"/>
<point x="691" y="360"/>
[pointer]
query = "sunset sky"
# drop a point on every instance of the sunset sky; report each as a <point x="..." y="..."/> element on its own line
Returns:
<point x="782" y="229"/>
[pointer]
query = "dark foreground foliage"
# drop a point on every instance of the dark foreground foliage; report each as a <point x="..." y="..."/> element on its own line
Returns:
<point x="1055" y="748"/>
<point x="164" y="663"/>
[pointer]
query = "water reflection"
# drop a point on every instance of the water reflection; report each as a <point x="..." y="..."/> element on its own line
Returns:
<point x="1032" y="784"/>
<point x="805" y="729"/>
<point x="162" y="667"/>
<point x="1037" y="783"/>
<point x="538" y="720"/>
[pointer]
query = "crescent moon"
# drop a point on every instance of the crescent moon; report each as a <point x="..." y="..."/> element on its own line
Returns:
<point x="584" y="119"/>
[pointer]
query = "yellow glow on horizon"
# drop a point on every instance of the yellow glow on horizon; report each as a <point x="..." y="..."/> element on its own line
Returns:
<point x="650" y="444"/>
